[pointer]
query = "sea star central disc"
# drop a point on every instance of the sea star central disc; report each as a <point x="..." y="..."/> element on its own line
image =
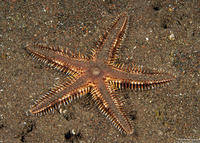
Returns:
<point x="96" y="71"/>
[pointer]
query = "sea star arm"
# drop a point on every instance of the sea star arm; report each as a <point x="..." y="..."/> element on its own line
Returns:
<point x="57" y="58"/>
<point x="111" y="106"/>
<point x="122" y="23"/>
<point x="60" y="95"/>
<point x="64" y="52"/>
<point x="141" y="82"/>
<point x="107" y="47"/>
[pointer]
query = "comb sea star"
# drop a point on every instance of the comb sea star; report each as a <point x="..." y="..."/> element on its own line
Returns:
<point x="98" y="75"/>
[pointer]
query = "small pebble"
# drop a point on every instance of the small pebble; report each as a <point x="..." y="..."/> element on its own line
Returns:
<point x="172" y="37"/>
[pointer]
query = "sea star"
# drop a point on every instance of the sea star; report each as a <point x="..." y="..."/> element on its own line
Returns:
<point x="97" y="75"/>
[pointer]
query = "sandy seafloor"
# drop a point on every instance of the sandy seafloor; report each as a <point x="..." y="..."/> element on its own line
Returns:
<point x="162" y="34"/>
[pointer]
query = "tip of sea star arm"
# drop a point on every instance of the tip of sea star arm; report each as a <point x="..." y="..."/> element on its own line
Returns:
<point x="46" y="104"/>
<point x="123" y="126"/>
